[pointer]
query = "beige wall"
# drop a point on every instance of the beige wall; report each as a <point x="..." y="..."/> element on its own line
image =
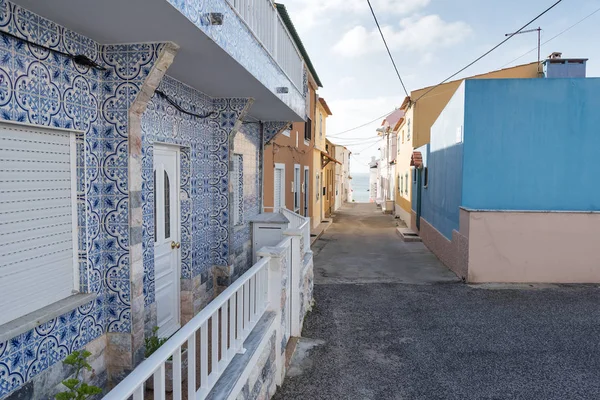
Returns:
<point x="534" y="247"/>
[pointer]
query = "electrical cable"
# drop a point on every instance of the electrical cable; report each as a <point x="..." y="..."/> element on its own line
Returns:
<point x="489" y="51"/>
<point x="387" y="48"/>
<point x="77" y="58"/>
<point x="179" y="108"/>
<point x="361" y="126"/>
<point x="553" y="37"/>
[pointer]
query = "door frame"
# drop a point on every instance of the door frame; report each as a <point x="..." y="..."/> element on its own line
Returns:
<point x="171" y="147"/>
<point x="417" y="198"/>
<point x="306" y="190"/>
<point x="297" y="188"/>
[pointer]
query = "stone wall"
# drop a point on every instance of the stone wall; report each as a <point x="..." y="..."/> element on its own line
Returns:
<point x="261" y="382"/>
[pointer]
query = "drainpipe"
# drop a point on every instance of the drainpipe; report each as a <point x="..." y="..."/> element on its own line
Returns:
<point x="261" y="158"/>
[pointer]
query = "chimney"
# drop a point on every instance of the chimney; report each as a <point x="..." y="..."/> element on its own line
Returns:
<point x="557" y="67"/>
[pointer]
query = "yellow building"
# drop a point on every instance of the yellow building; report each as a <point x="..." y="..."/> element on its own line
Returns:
<point x="414" y="129"/>
<point x="319" y="162"/>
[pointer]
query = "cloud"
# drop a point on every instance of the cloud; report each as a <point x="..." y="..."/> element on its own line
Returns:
<point x="309" y="13"/>
<point x="418" y="34"/>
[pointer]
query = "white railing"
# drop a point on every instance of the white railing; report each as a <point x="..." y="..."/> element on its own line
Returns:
<point x="221" y="328"/>
<point x="297" y="221"/>
<point x="264" y="21"/>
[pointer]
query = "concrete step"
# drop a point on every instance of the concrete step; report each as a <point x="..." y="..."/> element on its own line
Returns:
<point x="407" y="235"/>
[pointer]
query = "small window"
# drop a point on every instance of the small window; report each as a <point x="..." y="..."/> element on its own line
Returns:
<point x="308" y="129"/>
<point x="406" y="183"/>
<point x="425" y="177"/>
<point x="167" y="207"/>
<point x="154" y="197"/>
<point x="401" y="184"/>
<point x="414" y="175"/>
<point x="237" y="182"/>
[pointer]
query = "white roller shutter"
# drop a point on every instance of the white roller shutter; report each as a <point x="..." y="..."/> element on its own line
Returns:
<point x="38" y="218"/>
<point x="278" y="188"/>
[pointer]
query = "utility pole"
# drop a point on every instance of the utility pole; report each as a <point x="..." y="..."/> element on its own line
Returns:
<point x="539" y="35"/>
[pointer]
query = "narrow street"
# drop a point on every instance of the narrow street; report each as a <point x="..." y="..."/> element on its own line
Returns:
<point x="391" y="322"/>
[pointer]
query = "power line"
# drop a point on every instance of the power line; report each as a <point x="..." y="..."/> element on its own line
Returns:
<point x="553" y="37"/>
<point x="361" y="126"/>
<point x="387" y="48"/>
<point x="492" y="49"/>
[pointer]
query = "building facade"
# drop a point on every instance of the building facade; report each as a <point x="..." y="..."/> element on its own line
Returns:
<point x="320" y="160"/>
<point x="129" y="188"/>
<point x="343" y="186"/>
<point x="422" y="109"/>
<point x="502" y="190"/>
<point x="289" y="175"/>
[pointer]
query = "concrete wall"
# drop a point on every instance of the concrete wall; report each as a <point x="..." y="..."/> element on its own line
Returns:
<point x="532" y="144"/>
<point x="441" y="197"/>
<point x="534" y="247"/>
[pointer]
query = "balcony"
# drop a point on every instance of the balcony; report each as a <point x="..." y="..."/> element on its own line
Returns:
<point x="227" y="48"/>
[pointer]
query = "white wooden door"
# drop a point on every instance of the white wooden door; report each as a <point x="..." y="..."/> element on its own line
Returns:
<point x="167" y="252"/>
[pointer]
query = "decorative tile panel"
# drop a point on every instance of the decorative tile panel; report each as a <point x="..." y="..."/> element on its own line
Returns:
<point x="204" y="175"/>
<point x="41" y="87"/>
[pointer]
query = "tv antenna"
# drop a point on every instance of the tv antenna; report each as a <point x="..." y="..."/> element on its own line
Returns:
<point x="539" y="34"/>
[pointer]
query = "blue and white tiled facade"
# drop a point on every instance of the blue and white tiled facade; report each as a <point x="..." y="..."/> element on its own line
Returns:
<point x="43" y="87"/>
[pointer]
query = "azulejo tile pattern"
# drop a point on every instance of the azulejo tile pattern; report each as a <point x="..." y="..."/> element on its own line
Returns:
<point x="42" y="87"/>
<point x="236" y="39"/>
<point x="272" y="128"/>
<point x="204" y="170"/>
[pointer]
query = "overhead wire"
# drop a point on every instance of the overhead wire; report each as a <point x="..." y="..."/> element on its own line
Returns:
<point x="386" y="47"/>
<point x="361" y="126"/>
<point x="491" y="50"/>
<point x="553" y="37"/>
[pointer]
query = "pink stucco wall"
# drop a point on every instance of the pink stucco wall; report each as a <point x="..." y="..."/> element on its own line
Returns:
<point x="546" y="247"/>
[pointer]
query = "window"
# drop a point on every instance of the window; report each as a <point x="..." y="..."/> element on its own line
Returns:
<point x="167" y="189"/>
<point x="406" y="183"/>
<point x="308" y="129"/>
<point x="237" y="182"/>
<point x="297" y="188"/>
<point x="425" y="177"/>
<point x="38" y="214"/>
<point x="401" y="183"/>
<point x="408" y="129"/>
<point x="320" y="125"/>
<point x="279" y="187"/>
<point x="402" y="135"/>
<point x="414" y="175"/>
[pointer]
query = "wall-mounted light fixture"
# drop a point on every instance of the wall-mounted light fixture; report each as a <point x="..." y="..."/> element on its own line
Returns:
<point x="282" y="89"/>
<point x="213" y="18"/>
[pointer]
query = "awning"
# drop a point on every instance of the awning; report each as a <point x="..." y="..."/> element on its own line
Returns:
<point x="326" y="159"/>
<point x="416" y="160"/>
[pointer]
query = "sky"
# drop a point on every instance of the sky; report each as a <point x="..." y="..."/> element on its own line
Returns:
<point x="429" y="40"/>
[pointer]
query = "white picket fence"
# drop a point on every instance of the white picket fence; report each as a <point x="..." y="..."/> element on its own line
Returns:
<point x="264" y="21"/>
<point x="235" y="311"/>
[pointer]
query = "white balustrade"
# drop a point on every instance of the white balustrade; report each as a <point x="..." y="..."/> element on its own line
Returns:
<point x="233" y="313"/>
<point x="264" y="21"/>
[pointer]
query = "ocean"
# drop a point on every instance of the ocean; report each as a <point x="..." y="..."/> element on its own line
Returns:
<point x="360" y="188"/>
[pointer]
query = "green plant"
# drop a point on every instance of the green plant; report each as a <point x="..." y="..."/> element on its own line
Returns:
<point x="153" y="342"/>
<point x="78" y="390"/>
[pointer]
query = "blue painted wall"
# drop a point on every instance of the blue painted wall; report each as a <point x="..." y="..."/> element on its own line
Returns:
<point x="441" y="198"/>
<point x="532" y="144"/>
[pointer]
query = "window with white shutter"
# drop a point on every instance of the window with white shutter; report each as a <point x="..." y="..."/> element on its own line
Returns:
<point x="38" y="218"/>
<point x="279" y="185"/>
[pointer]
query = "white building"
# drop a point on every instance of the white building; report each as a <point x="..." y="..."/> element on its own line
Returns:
<point x="374" y="181"/>
<point x="387" y="164"/>
<point x="343" y="187"/>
